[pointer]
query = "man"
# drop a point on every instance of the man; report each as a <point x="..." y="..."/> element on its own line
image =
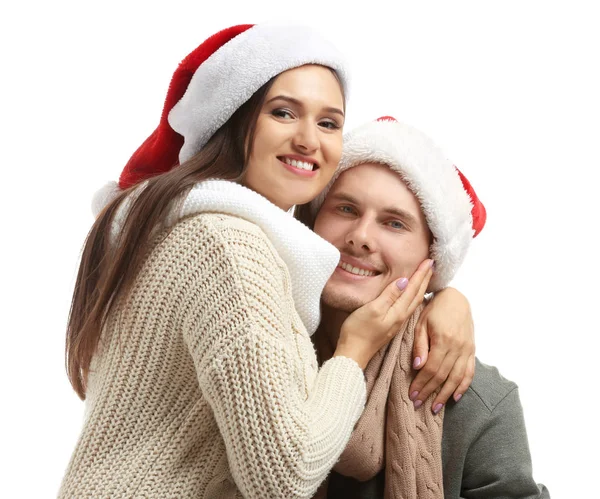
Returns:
<point x="395" y="201"/>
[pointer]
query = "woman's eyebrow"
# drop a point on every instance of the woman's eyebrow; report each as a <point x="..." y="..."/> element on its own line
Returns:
<point x="297" y="102"/>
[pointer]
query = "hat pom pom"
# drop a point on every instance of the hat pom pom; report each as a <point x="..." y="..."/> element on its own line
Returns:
<point x="104" y="196"/>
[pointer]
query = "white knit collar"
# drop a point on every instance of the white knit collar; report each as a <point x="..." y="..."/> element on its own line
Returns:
<point x="309" y="258"/>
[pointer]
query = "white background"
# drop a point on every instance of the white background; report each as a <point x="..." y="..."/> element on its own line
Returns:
<point x="509" y="89"/>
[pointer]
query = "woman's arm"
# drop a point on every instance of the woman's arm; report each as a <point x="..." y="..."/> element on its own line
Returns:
<point x="284" y="423"/>
<point x="444" y="349"/>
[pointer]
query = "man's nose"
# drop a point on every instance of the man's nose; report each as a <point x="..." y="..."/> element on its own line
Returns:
<point x="360" y="236"/>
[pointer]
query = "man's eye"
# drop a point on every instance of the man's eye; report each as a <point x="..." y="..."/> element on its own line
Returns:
<point x="395" y="224"/>
<point x="346" y="209"/>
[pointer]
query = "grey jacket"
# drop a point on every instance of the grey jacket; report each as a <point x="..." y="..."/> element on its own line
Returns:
<point x="485" y="452"/>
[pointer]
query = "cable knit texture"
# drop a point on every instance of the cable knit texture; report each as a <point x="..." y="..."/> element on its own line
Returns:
<point x="391" y="434"/>
<point x="206" y="382"/>
<point x="310" y="259"/>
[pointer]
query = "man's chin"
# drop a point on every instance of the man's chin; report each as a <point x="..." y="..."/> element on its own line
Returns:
<point x="341" y="301"/>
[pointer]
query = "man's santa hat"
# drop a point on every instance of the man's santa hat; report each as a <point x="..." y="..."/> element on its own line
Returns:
<point x="211" y="83"/>
<point x="454" y="213"/>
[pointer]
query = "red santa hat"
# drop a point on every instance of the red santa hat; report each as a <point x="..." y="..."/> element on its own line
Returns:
<point x="211" y="83"/>
<point x="454" y="213"/>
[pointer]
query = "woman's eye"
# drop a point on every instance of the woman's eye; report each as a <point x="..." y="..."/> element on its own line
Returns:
<point x="281" y="113"/>
<point x="330" y="125"/>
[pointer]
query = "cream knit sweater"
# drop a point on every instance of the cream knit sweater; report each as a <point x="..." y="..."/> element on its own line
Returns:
<point x="206" y="382"/>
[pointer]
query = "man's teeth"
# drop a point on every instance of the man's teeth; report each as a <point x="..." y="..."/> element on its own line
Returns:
<point x="355" y="270"/>
<point x="303" y="165"/>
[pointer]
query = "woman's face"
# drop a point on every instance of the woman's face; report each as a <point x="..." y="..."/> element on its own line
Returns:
<point x="298" y="137"/>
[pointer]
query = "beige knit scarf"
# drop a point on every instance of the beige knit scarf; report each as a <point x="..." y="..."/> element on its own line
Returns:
<point x="391" y="433"/>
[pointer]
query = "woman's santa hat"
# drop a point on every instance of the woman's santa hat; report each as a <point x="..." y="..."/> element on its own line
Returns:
<point x="454" y="213"/>
<point x="211" y="83"/>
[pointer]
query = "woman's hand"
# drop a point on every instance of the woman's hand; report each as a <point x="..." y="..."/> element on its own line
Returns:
<point x="369" y="328"/>
<point x="444" y="349"/>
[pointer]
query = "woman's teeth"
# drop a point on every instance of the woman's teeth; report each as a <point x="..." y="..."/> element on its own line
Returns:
<point x="303" y="165"/>
<point x="355" y="270"/>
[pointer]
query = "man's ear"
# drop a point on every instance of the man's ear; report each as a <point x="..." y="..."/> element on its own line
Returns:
<point x="431" y="241"/>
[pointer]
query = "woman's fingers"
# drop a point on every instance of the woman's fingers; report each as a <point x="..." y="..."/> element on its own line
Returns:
<point x="467" y="379"/>
<point x="373" y="325"/>
<point x="426" y="374"/>
<point x="402" y="290"/>
<point x="405" y="305"/>
<point x="420" y="345"/>
<point x="453" y="381"/>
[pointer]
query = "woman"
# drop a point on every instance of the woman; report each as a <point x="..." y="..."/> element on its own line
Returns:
<point x="195" y="298"/>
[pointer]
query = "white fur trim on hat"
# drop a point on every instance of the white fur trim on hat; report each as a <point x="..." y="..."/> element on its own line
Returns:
<point x="429" y="175"/>
<point x="103" y="196"/>
<point x="230" y="76"/>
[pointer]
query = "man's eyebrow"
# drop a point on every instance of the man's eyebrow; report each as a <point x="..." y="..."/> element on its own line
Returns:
<point x="297" y="102"/>
<point x="344" y="196"/>
<point x="407" y="217"/>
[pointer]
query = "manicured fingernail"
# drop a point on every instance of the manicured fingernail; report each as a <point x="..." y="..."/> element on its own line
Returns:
<point x="414" y="395"/>
<point x="417" y="362"/>
<point x="437" y="408"/>
<point x="433" y="264"/>
<point x="457" y="397"/>
<point x="402" y="283"/>
<point x="418" y="403"/>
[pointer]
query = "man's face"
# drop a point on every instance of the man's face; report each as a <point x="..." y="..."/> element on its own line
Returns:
<point x="377" y="224"/>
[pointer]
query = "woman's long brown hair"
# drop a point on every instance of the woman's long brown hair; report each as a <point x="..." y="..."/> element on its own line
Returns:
<point x="101" y="279"/>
